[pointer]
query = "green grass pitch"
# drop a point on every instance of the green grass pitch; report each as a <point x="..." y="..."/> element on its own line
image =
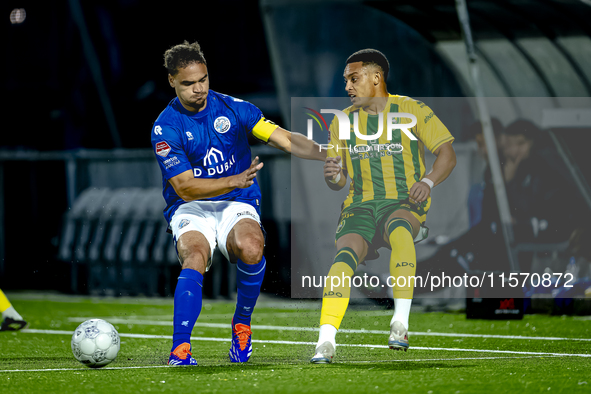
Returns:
<point x="448" y="353"/>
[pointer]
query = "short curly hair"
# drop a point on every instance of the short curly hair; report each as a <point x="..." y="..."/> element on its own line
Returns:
<point x="181" y="55"/>
<point x="371" y="57"/>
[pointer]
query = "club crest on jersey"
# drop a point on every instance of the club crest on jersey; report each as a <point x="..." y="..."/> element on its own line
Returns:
<point x="221" y="124"/>
<point x="183" y="223"/>
<point x="162" y="149"/>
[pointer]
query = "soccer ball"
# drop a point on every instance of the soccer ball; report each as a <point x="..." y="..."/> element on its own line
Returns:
<point x="95" y="343"/>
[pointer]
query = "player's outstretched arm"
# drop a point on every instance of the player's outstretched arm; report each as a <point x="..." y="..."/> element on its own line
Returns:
<point x="297" y="144"/>
<point x="442" y="168"/>
<point x="334" y="175"/>
<point x="190" y="188"/>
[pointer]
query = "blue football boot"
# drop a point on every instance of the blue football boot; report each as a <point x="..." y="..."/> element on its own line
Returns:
<point x="182" y="355"/>
<point x="241" y="348"/>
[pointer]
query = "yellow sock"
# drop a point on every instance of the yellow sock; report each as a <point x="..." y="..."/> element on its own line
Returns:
<point x="337" y="291"/>
<point x="4" y="303"/>
<point x="403" y="260"/>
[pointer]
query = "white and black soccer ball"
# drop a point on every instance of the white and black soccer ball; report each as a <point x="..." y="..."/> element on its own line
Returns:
<point x="95" y="343"/>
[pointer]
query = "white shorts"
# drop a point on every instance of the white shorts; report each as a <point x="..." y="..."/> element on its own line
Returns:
<point x="213" y="219"/>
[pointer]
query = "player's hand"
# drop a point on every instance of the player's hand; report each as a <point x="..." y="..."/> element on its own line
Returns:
<point x="332" y="167"/>
<point x="419" y="192"/>
<point x="246" y="178"/>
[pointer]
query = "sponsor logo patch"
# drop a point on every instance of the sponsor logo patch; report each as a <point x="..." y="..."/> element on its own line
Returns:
<point x="214" y="157"/>
<point x="173" y="161"/>
<point x="162" y="149"/>
<point x="246" y="213"/>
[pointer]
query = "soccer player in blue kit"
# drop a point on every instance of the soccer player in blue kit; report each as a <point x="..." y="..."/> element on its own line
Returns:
<point x="212" y="196"/>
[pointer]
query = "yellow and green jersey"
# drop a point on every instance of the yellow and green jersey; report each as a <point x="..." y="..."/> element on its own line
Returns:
<point x="385" y="169"/>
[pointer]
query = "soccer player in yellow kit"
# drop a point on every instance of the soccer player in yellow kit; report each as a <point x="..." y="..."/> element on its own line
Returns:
<point x="389" y="194"/>
<point x="11" y="320"/>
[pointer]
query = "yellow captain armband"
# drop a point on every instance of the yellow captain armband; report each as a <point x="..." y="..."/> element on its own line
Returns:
<point x="263" y="129"/>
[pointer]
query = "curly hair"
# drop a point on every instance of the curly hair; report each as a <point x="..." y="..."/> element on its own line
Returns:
<point x="181" y="55"/>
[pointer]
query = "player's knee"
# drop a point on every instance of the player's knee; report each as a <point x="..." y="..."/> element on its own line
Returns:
<point x="193" y="259"/>
<point x="250" y="248"/>
<point x="398" y="225"/>
<point x="356" y="243"/>
<point x="347" y="256"/>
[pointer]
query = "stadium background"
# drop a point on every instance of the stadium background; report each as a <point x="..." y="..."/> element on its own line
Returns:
<point x="83" y="82"/>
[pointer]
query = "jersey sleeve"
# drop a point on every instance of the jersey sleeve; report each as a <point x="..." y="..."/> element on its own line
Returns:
<point x="336" y="146"/>
<point x="429" y="129"/>
<point x="253" y="120"/>
<point x="168" y="145"/>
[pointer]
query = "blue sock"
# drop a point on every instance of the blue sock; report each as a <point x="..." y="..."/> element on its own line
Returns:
<point x="250" y="279"/>
<point x="187" y="305"/>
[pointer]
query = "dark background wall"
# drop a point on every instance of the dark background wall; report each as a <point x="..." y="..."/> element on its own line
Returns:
<point x="51" y="101"/>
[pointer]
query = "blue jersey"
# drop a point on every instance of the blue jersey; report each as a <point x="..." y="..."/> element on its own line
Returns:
<point x="212" y="143"/>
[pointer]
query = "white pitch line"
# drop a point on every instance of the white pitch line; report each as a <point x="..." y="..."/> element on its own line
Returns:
<point x="81" y="369"/>
<point x="277" y="342"/>
<point x="116" y="320"/>
<point x="254" y="364"/>
<point x="440" y="359"/>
